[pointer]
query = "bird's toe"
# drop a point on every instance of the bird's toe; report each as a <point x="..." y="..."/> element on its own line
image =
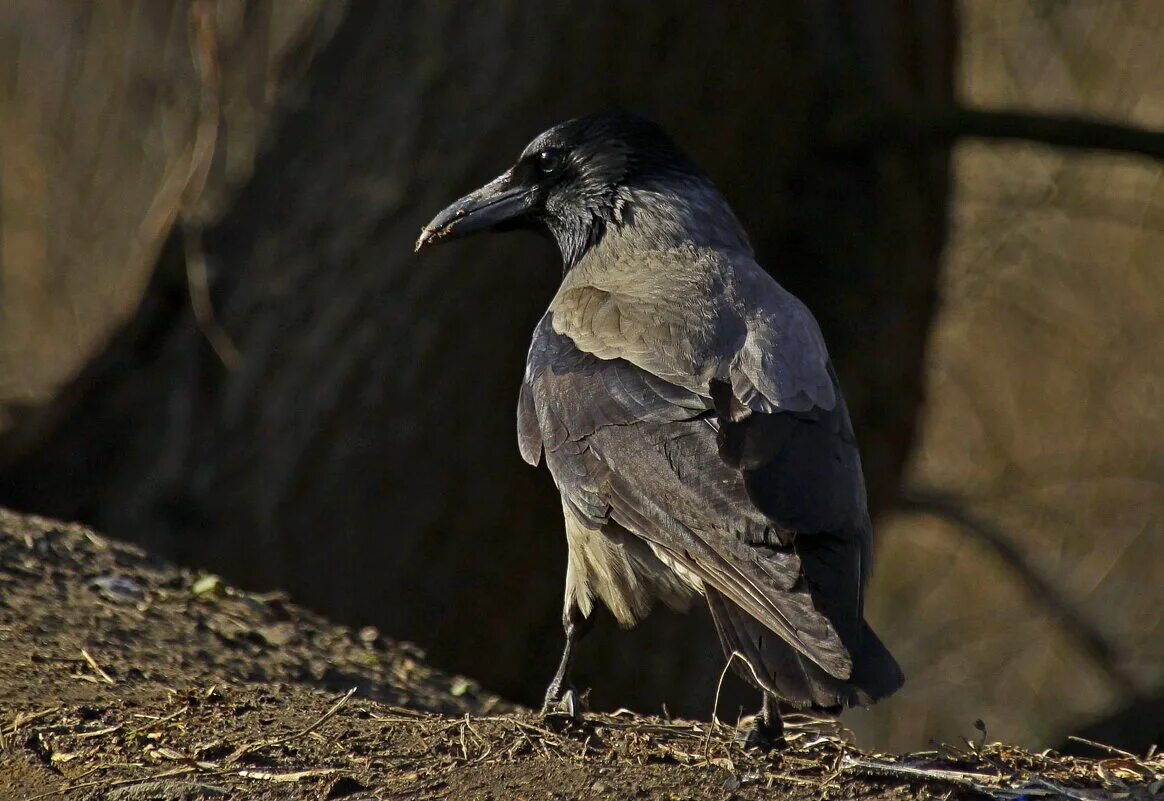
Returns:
<point x="562" y="705"/>
<point x="756" y="732"/>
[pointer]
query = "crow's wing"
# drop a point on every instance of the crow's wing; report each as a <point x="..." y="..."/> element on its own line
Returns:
<point x="568" y="393"/>
<point x="668" y="484"/>
<point x="654" y="456"/>
<point x="697" y="320"/>
<point x="690" y="315"/>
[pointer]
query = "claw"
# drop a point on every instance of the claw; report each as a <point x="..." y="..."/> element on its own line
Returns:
<point x="764" y="730"/>
<point x="565" y="704"/>
<point x="753" y="732"/>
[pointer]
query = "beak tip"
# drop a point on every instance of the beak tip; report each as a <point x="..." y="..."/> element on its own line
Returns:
<point x="480" y="210"/>
<point x="426" y="236"/>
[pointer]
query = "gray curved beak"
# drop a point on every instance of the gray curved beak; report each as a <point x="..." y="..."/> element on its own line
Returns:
<point x="493" y="204"/>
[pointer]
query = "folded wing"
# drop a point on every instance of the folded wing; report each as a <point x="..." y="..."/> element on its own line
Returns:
<point x="657" y="458"/>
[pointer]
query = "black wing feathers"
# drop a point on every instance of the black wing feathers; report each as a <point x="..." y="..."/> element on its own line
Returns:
<point x="570" y="394"/>
<point x="743" y="501"/>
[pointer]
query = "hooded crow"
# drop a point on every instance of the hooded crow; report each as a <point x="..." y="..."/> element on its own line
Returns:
<point x="688" y="411"/>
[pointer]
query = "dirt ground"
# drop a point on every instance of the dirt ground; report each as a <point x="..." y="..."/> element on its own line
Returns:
<point x="126" y="679"/>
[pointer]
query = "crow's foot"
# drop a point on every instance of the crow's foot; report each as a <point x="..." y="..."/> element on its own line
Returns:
<point x="756" y="731"/>
<point x="561" y="703"/>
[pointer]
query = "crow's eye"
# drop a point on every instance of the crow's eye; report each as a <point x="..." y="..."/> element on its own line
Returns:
<point x="549" y="161"/>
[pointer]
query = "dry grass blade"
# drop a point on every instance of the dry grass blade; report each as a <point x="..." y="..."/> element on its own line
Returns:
<point x="718" y="689"/>
<point x="97" y="668"/>
<point x="293" y="776"/>
<point x="981" y="782"/>
<point x="158" y="721"/>
<point x="1102" y="747"/>
<point x="23" y="719"/>
<point x="99" y="732"/>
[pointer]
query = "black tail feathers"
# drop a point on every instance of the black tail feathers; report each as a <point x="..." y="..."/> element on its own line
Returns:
<point x="774" y="666"/>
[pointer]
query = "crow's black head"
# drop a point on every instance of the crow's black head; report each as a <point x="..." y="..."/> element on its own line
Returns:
<point x="573" y="181"/>
<point x="584" y="160"/>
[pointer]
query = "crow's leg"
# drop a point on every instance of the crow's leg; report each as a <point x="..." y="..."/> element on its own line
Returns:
<point x="561" y="698"/>
<point x="765" y="729"/>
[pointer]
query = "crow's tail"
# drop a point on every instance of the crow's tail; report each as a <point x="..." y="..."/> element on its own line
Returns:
<point x="776" y="667"/>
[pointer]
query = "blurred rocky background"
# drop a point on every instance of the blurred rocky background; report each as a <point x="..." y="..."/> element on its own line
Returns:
<point x="214" y="339"/>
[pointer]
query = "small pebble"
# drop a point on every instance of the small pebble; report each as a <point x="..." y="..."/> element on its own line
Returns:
<point x="121" y="589"/>
<point x="206" y="584"/>
<point x="278" y="633"/>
